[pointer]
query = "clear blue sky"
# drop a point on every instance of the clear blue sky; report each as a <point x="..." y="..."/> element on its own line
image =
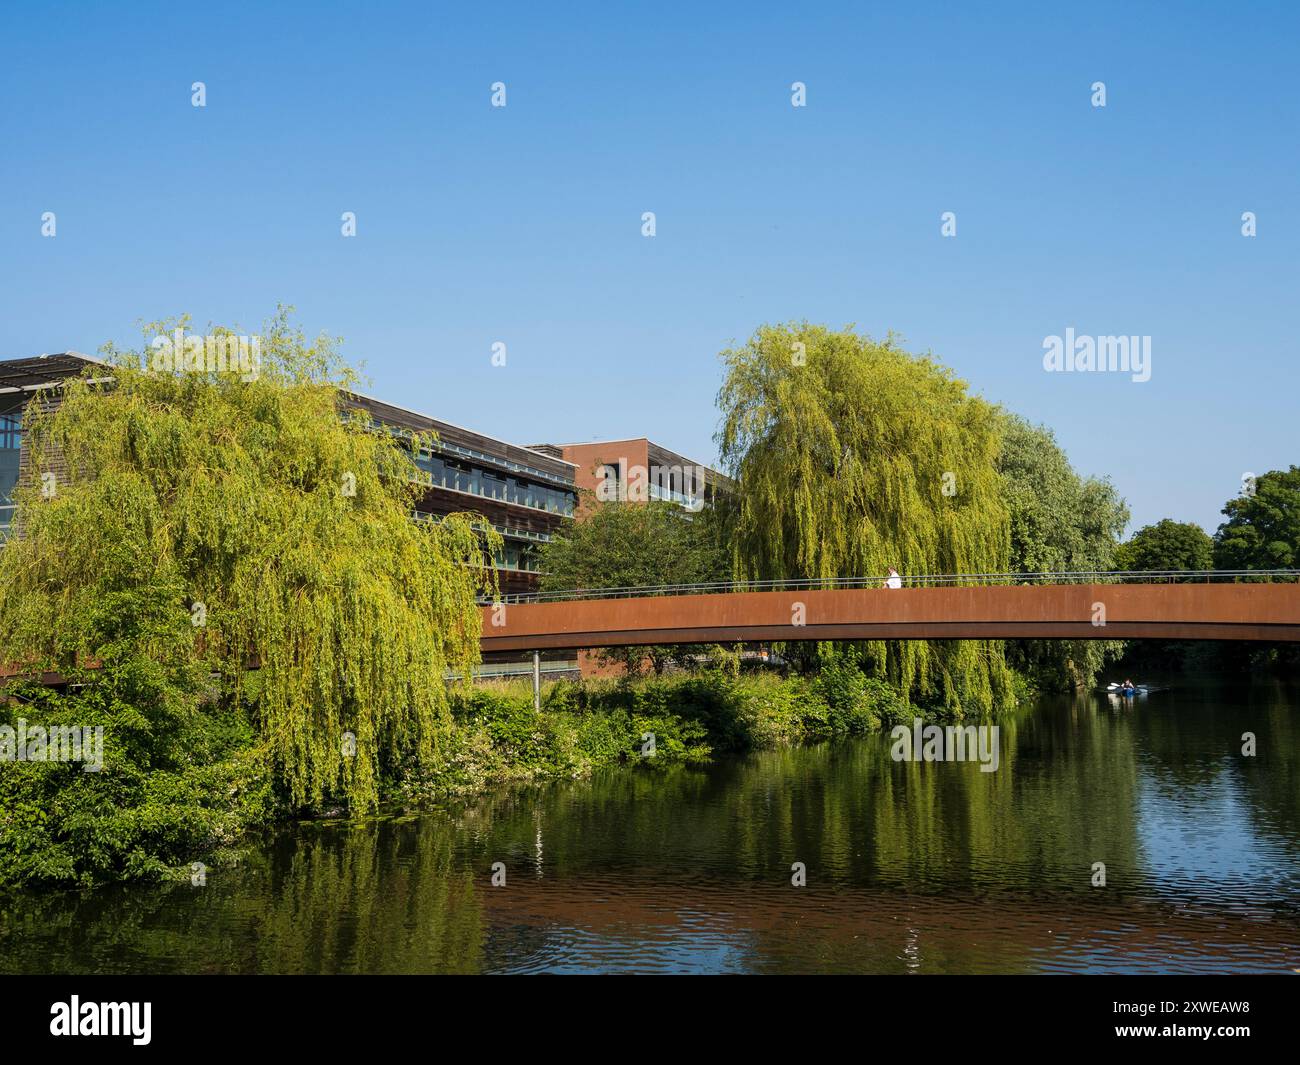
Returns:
<point x="522" y="224"/>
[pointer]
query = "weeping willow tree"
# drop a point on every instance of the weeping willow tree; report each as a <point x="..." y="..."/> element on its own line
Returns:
<point x="278" y="527"/>
<point x="853" y="456"/>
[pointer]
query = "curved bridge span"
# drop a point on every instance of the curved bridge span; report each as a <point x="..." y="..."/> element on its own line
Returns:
<point x="1190" y="611"/>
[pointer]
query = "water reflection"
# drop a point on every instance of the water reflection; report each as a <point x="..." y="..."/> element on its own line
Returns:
<point x="912" y="868"/>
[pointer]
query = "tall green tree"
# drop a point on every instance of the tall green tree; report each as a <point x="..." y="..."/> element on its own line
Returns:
<point x="1263" y="527"/>
<point x="280" y="531"/>
<point x="1262" y="531"/>
<point x="851" y="456"/>
<point x="1168" y="545"/>
<point x="1060" y="522"/>
<point x="624" y="545"/>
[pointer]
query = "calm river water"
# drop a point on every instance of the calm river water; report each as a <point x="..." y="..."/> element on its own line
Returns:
<point x="911" y="868"/>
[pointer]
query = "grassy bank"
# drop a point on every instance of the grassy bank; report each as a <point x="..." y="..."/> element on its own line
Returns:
<point x="190" y="791"/>
<point x="500" y="738"/>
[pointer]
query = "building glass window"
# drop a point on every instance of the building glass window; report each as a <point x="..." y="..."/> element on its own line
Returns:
<point x="448" y="473"/>
<point x="11" y="440"/>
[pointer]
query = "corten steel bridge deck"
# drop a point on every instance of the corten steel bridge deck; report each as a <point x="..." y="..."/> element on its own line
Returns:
<point x="1262" y="605"/>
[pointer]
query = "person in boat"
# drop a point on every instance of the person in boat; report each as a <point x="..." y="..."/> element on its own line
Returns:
<point x="1128" y="686"/>
<point x="893" y="580"/>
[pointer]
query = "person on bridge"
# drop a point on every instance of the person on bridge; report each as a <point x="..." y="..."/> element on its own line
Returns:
<point x="893" y="580"/>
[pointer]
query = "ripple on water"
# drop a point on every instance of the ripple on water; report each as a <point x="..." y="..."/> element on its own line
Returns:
<point x="910" y="868"/>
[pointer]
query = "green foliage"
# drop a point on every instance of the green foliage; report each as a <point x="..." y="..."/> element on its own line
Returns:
<point x="1263" y="529"/>
<point x="1060" y="522"/>
<point x="206" y="492"/>
<point x="499" y="738"/>
<point x="181" y="778"/>
<point x="1168" y="545"/>
<point x="843" y="447"/>
<point x="855" y="703"/>
<point x="623" y="545"/>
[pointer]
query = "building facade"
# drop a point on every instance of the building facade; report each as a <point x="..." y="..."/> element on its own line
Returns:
<point x="23" y="381"/>
<point x="637" y="470"/>
<point x="527" y="497"/>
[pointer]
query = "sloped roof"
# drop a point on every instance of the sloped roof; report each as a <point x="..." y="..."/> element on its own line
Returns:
<point x="42" y="371"/>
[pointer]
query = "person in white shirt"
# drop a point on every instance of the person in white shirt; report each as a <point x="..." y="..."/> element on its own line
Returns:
<point x="893" y="580"/>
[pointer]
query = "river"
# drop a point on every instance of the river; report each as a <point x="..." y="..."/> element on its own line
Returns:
<point x="911" y="867"/>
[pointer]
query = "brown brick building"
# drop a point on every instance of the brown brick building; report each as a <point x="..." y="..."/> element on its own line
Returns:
<point x="638" y="470"/>
<point x="634" y="470"/>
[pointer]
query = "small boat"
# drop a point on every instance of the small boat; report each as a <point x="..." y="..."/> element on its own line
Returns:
<point x="1129" y="691"/>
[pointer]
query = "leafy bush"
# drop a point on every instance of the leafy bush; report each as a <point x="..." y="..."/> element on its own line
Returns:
<point x="181" y="779"/>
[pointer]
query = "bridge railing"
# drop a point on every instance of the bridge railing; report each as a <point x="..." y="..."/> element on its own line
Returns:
<point x="926" y="580"/>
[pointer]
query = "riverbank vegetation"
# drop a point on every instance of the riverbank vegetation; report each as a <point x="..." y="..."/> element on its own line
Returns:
<point x="190" y="791"/>
<point x="647" y="722"/>
<point x="225" y="573"/>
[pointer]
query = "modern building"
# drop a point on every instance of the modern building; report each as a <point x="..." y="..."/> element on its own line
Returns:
<point x="22" y="381"/>
<point x="634" y="470"/>
<point x="524" y="495"/>
<point x="638" y="470"/>
<point x="11" y="441"/>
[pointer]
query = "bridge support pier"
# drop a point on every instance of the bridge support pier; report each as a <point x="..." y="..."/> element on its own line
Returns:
<point x="537" y="681"/>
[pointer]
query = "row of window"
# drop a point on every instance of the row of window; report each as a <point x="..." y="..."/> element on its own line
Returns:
<point x="507" y="531"/>
<point x="496" y="460"/>
<point x="447" y="447"/>
<point x="684" y="486"/>
<point x="446" y="474"/>
<point x="11" y="439"/>
<point x="691" y="502"/>
<point x="522" y="557"/>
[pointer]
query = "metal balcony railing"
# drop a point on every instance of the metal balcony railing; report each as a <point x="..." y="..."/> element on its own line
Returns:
<point x="497" y="461"/>
<point x="500" y="496"/>
<point x="508" y="531"/>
